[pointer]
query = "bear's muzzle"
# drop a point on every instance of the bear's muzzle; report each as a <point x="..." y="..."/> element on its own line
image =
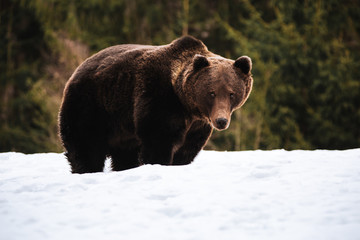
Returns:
<point x="221" y="123"/>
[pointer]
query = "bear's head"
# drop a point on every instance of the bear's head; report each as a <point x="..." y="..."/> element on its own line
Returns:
<point x="219" y="86"/>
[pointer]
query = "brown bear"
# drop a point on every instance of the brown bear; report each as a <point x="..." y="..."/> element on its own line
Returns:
<point x="143" y="104"/>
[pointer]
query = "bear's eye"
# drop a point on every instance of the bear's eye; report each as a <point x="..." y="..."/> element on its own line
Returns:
<point x="231" y="95"/>
<point x="212" y="94"/>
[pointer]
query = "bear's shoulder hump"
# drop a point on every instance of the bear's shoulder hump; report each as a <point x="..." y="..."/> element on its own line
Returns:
<point x="188" y="42"/>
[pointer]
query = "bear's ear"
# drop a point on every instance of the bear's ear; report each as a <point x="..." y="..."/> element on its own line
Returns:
<point x="199" y="62"/>
<point x="244" y="63"/>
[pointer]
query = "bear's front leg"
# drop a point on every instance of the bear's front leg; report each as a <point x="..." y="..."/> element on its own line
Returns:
<point x="156" y="152"/>
<point x="158" y="136"/>
<point x="195" y="140"/>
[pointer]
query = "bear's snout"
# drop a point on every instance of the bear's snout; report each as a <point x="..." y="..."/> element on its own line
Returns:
<point x="221" y="123"/>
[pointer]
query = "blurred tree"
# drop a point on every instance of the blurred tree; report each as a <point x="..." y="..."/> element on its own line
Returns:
<point x="313" y="99"/>
<point x="25" y="120"/>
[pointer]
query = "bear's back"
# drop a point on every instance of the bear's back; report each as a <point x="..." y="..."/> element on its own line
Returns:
<point x="110" y="57"/>
<point x="132" y="56"/>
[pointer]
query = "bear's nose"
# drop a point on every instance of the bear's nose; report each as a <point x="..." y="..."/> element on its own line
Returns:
<point x="221" y="123"/>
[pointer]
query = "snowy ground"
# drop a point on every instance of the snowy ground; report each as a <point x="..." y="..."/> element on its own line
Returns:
<point x="222" y="195"/>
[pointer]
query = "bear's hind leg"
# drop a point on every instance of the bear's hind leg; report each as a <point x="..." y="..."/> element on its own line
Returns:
<point x="86" y="162"/>
<point x="122" y="159"/>
<point x="86" y="149"/>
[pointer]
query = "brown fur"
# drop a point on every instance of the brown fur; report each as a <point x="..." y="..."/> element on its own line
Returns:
<point x="149" y="104"/>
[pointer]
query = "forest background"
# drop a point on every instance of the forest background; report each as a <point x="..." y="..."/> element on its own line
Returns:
<point x="306" y="64"/>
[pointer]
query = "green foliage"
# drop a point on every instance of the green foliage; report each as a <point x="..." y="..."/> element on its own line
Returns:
<point x="32" y="126"/>
<point x="303" y="53"/>
<point x="306" y="61"/>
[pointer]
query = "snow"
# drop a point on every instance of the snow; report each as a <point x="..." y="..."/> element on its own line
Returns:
<point x="222" y="195"/>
